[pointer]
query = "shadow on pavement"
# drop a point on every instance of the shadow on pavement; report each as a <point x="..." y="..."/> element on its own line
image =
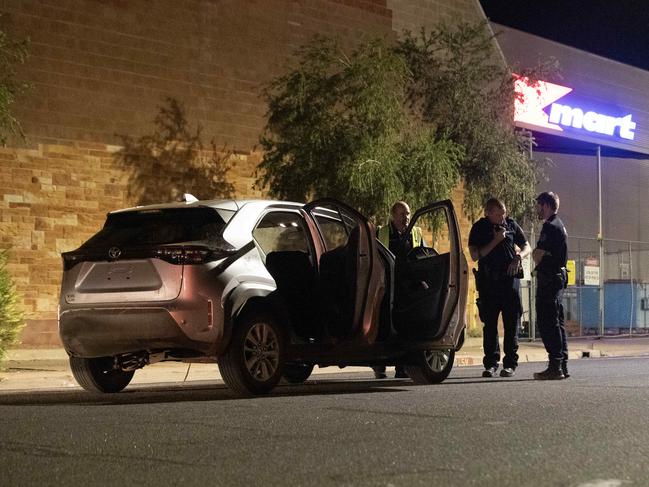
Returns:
<point x="480" y="380"/>
<point x="211" y="391"/>
<point x="169" y="393"/>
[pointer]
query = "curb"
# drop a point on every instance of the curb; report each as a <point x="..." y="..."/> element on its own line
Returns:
<point x="22" y="354"/>
<point x="40" y="370"/>
<point x="46" y="369"/>
<point x="462" y="358"/>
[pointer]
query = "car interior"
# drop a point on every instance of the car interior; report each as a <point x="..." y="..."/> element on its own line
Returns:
<point x="323" y="304"/>
<point x="297" y="282"/>
<point x="318" y="303"/>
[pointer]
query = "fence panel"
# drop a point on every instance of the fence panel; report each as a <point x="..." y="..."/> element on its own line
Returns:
<point x="619" y="280"/>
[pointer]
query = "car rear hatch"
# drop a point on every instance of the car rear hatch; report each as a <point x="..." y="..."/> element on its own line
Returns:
<point x="140" y="255"/>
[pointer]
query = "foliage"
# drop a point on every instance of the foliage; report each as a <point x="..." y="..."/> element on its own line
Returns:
<point x="475" y="331"/>
<point x="398" y="120"/>
<point x="337" y="128"/>
<point x="11" y="316"/>
<point x="468" y="93"/>
<point x="12" y="53"/>
<point x="172" y="161"/>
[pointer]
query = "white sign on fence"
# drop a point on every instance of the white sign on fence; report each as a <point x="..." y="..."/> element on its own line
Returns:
<point x="591" y="275"/>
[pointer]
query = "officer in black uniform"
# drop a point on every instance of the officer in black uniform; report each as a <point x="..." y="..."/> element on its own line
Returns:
<point x="550" y="256"/>
<point x="499" y="245"/>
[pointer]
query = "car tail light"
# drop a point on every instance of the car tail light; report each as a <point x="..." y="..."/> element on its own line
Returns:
<point x="187" y="255"/>
<point x="177" y="254"/>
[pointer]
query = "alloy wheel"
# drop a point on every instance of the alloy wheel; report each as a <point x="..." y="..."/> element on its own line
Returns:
<point x="261" y="351"/>
<point x="437" y="359"/>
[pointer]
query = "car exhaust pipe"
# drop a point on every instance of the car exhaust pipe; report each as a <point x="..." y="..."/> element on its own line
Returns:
<point x="128" y="362"/>
<point x="131" y="361"/>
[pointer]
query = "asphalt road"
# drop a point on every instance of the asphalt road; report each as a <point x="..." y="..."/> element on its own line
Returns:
<point x="589" y="430"/>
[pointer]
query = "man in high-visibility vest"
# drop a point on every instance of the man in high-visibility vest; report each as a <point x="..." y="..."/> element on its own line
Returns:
<point x="392" y="234"/>
<point x="394" y="238"/>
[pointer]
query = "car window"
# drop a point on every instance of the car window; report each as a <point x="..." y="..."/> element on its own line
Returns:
<point x="159" y="227"/>
<point x="435" y="230"/>
<point x="334" y="229"/>
<point x="281" y="231"/>
<point x="333" y="232"/>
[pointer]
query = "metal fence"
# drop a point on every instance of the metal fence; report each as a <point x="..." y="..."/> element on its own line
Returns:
<point x="608" y="292"/>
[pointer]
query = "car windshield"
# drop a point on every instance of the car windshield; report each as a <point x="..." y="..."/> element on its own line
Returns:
<point x="160" y="227"/>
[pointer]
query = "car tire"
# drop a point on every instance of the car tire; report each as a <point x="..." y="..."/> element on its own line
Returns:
<point x="297" y="373"/>
<point x="253" y="362"/>
<point x="431" y="366"/>
<point x="99" y="375"/>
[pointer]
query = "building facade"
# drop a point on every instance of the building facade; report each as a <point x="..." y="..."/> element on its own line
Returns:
<point x="590" y="121"/>
<point x="100" y="69"/>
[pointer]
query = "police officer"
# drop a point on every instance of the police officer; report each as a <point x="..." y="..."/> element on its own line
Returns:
<point x="394" y="238"/>
<point x="498" y="243"/>
<point x="550" y="257"/>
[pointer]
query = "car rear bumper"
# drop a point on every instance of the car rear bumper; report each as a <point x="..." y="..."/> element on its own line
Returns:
<point x="96" y="332"/>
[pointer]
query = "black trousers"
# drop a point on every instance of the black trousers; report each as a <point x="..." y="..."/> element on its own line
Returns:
<point x="500" y="297"/>
<point x="549" y="316"/>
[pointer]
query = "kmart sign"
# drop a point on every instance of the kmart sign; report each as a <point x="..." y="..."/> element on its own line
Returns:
<point x="538" y="104"/>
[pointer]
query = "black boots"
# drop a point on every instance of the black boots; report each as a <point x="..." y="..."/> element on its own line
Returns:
<point x="553" y="372"/>
<point x="508" y="372"/>
<point x="490" y="372"/>
<point x="564" y="369"/>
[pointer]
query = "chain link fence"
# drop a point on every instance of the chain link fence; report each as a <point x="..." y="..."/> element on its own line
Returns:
<point x="608" y="291"/>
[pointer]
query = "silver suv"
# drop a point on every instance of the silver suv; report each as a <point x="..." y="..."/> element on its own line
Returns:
<point x="268" y="289"/>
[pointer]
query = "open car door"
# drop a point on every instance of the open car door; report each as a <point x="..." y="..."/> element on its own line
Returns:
<point x="428" y="281"/>
<point x="351" y="274"/>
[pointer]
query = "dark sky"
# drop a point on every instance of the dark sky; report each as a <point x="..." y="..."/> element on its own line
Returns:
<point x="616" y="29"/>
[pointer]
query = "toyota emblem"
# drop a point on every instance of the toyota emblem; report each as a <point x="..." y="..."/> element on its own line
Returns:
<point x="114" y="253"/>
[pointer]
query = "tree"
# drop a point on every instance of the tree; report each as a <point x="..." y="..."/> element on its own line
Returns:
<point x="11" y="316"/>
<point x="338" y="127"/>
<point x="172" y="161"/>
<point x="12" y="53"/>
<point x="462" y="87"/>
<point x="398" y="120"/>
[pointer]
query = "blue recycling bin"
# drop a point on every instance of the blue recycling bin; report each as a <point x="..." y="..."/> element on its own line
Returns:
<point x="621" y="305"/>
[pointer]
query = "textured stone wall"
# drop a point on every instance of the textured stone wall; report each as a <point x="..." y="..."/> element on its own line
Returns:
<point x="54" y="197"/>
<point x="100" y="68"/>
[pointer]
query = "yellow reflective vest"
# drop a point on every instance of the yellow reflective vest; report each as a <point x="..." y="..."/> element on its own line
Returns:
<point x="384" y="236"/>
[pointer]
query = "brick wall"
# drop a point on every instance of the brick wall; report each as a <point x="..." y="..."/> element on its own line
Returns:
<point x="413" y="14"/>
<point x="103" y="67"/>
<point x="54" y="197"/>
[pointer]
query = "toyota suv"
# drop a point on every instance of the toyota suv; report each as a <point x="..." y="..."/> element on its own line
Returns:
<point x="266" y="289"/>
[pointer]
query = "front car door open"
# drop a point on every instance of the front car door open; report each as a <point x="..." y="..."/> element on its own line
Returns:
<point x="430" y="283"/>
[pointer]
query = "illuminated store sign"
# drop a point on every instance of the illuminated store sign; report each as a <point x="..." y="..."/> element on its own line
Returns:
<point x="536" y="104"/>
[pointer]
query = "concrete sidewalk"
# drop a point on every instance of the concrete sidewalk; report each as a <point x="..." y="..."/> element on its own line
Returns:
<point x="38" y="369"/>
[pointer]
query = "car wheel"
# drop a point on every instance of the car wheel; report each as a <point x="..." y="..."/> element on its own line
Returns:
<point x="253" y="362"/>
<point x="297" y="373"/>
<point x="99" y="375"/>
<point x="431" y="366"/>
